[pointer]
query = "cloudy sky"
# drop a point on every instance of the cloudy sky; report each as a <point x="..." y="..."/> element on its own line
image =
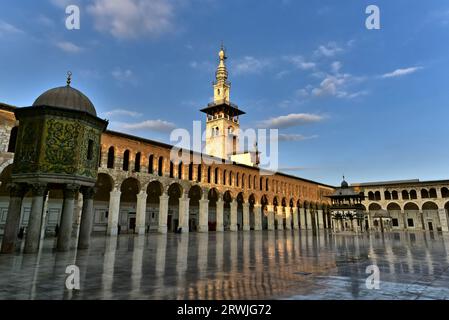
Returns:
<point x="370" y="104"/>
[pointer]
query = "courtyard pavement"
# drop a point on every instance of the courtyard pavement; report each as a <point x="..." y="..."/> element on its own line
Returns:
<point x="236" y="265"/>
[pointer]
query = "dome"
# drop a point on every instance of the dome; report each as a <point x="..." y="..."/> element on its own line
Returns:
<point x="344" y="184"/>
<point x="66" y="97"/>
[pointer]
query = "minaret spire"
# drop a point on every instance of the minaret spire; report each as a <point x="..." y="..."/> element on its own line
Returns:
<point x="221" y="85"/>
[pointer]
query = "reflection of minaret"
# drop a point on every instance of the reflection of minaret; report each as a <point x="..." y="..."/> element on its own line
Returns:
<point x="203" y="241"/>
<point x="161" y="249"/>
<point x="219" y="243"/>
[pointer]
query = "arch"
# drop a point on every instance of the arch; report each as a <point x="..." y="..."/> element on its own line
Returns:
<point x="432" y="193"/>
<point x="209" y="175"/>
<point x="12" y="139"/>
<point x="216" y="175"/>
<point x="240" y="200"/>
<point x="261" y="184"/>
<point x="154" y="190"/>
<point x="227" y="198"/>
<point x="151" y="164"/>
<point x="199" y="173"/>
<point x="374" y="207"/>
<point x="137" y="162"/>
<point x="405" y="195"/>
<point x="125" y="166"/>
<point x="266" y="185"/>
<point x="174" y="192"/>
<point x="5" y="179"/>
<point x="243" y="181"/>
<point x="160" y="166"/>
<point x="393" y="206"/>
<point x="394" y="195"/>
<point x="249" y="181"/>
<point x="413" y="195"/>
<point x="224" y="177"/>
<point x="377" y="195"/>
<point x="195" y="194"/>
<point x="190" y="171"/>
<point x="445" y="192"/>
<point x="424" y="194"/>
<point x="172" y="170"/>
<point x="237" y="179"/>
<point x="411" y="206"/>
<point x="387" y="195"/>
<point x="111" y="158"/>
<point x="429" y="205"/>
<point x="255" y="183"/>
<point x="213" y="196"/>
<point x="370" y="195"/>
<point x="230" y="178"/>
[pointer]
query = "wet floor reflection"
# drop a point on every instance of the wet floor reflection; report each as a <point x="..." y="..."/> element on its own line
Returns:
<point x="237" y="265"/>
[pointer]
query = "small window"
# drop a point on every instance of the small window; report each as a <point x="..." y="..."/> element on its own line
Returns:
<point x="395" y="223"/>
<point x="410" y="223"/>
<point x="90" y="150"/>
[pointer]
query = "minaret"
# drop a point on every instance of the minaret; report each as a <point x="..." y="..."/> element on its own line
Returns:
<point x="222" y="122"/>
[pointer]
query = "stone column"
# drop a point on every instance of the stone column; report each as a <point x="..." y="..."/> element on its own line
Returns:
<point x="257" y="216"/>
<point x="77" y="212"/>
<point x="354" y="226"/>
<point x="44" y="217"/>
<point x="141" y="210"/>
<point x="246" y="226"/>
<point x="87" y="218"/>
<point x="280" y="217"/>
<point x="204" y="214"/>
<point x="302" y="218"/>
<point x="295" y="218"/>
<point x="12" y="226"/>
<point x="34" y="223"/>
<point x="288" y="218"/>
<point x="220" y="210"/>
<point x="233" y="226"/>
<point x="114" y="210"/>
<point x="163" y="213"/>
<point x="443" y="219"/>
<point x="65" y="229"/>
<point x="270" y="211"/>
<point x="184" y="213"/>
<point x="401" y="217"/>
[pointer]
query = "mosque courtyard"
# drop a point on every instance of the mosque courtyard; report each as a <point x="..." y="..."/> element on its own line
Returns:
<point x="236" y="265"/>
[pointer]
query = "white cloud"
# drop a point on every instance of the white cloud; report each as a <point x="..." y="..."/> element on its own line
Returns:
<point x="336" y="66"/>
<point x="130" y="19"/>
<point x="401" y="72"/>
<point x="123" y="75"/>
<point x="294" y="137"/>
<point x="122" y="112"/>
<point x="69" y="47"/>
<point x="300" y="63"/>
<point x="151" y="125"/>
<point x="329" y="50"/>
<point x="291" y="120"/>
<point x="250" y="65"/>
<point x="6" y="28"/>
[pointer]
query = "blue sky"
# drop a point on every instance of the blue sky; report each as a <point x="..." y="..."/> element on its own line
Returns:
<point x="372" y="104"/>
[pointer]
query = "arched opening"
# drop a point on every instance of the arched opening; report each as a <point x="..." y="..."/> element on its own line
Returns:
<point x="160" y="167"/>
<point x="284" y="220"/>
<point x="445" y="192"/>
<point x="266" y="185"/>
<point x="190" y="171"/>
<point x="151" y="164"/>
<point x="252" y="212"/>
<point x="213" y="198"/>
<point x="433" y="193"/>
<point x="224" y="177"/>
<point x="240" y="202"/>
<point x="413" y="195"/>
<point x="261" y="184"/>
<point x="430" y="217"/>
<point x="275" y="206"/>
<point x="387" y="195"/>
<point x="411" y="215"/>
<point x="174" y="192"/>
<point x="237" y="180"/>
<point x="125" y="165"/>
<point x="209" y="175"/>
<point x="370" y="195"/>
<point x="154" y="191"/>
<point x="103" y="185"/>
<point x="230" y="178"/>
<point x="264" y="203"/>
<point x="172" y="170"/>
<point x="405" y="195"/>
<point x="111" y="158"/>
<point x="195" y="194"/>
<point x="180" y="170"/>
<point x="199" y="173"/>
<point x="137" y="162"/>
<point x="377" y="195"/>
<point x="12" y="140"/>
<point x="395" y="213"/>
<point x="128" y="199"/>
<point x="216" y="175"/>
<point x="394" y="195"/>
<point x="249" y="182"/>
<point x="243" y="181"/>
<point x="227" y="198"/>
<point x="424" y="194"/>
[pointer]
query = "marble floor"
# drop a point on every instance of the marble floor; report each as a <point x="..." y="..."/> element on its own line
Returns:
<point x="236" y="265"/>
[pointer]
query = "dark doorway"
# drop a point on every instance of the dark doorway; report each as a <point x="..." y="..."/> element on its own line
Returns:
<point x="430" y="226"/>
<point x="132" y="224"/>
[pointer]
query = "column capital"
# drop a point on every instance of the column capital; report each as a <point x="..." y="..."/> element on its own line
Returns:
<point x="245" y="204"/>
<point x="17" y="190"/>
<point x="164" y="196"/>
<point x="70" y="191"/>
<point x="88" y="192"/>
<point x="39" y="189"/>
<point x="142" y="195"/>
